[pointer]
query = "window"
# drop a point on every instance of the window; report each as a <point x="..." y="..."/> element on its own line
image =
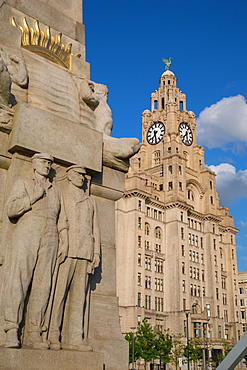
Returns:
<point x="183" y="268"/>
<point x="139" y="320"/>
<point x="217" y="311"/>
<point x="203" y="291"/>
<point x="201" y="242"/>
<point x="211" y="185"/>
<point x="214" y="243"/>
<point x="197" y="329"/>
<point x="169" y="150"/>
<point x="139" y="299"/>
<point x="216" y="276"/>
<point x="170" y="170"/>
<point x="158" y="284"/>
<point x="208" y="310"/>
<point x="234" y="284"/>
<point x="157" y="233"/>
<point x="139" y="205"/>
<point x="203" y="275"/>
<point x="148" y="282"/>
<point x="234" y="269"/>
<point x="211" y="200"/>
<point x="159" y="324"/>
<point x="202" y="259"/>
<point x="213" y="228"/>
<point x="231" y="239"/>
<point x="184" y="304"/>
<point x="191" y="272"/>
<point x="170" y="185"/>
<point x="219" y="331"/>
<point x="139" y="259"/>
<point x="215" y="260"/>
<point x="139" y="241"/>
<point x="183" y="285"/>
<point x="147" y="229"/>
<point x="242" y="302"/>
<point x="217" y="293"/>
<point x="147" y="263"/>
<point x="158" y="248"/>
<point x="157" y="157"/>
<point x="159" y="304"/>
<point x="180" y="185"/>
<point x="181" y="216"/>
<point x="223" y="282"/>
<point x="241" y="290"/>
<point x="226" y="315"/>
<point x="243" y="316"/>
<point x="182" y="233"/>
<point x="182" y="250"/>
<point x="139" y="279"/>
<point x="180" y="170"/>
<point x="158" y="265"/>
<point x="224" y="298"/>
<point x="139" y="223"/>
<point x="147" y="245"/>
<point x="233" y="255"/>
<point x="148" y="302"/>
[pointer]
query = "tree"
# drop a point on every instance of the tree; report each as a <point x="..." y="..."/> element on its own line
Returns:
<point x="193" y="350"/>
<point x="145" y="342"/>
<point x="177" y="350"/>
<point x="129" y="338"/>
<point x="226" y="349"/>
<point x="163" y="346"/>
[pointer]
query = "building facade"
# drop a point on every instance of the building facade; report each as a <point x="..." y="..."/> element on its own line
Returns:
<point x="176" y="250"/>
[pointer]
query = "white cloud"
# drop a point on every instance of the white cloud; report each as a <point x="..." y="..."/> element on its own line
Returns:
<point x="223" y="123"/>
<point x="231" y="184"/>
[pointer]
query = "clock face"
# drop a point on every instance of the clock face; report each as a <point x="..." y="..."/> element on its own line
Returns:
<point x="186" y="133"/>
<point x="155" y="133"/>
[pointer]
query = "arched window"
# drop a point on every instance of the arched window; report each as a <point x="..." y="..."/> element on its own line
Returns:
<point x="147" y="229"/>
<point x="190" y="195"/>
<point x="157" y="233"/>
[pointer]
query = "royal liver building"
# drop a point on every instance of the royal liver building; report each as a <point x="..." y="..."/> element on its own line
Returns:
<point x="176" y="250"/>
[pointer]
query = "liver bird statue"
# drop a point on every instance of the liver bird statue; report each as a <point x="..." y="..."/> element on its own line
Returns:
<point x="167" y="62"/>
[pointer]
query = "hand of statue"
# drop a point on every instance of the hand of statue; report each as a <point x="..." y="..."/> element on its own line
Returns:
<point x="96" y="260"/>
<point x="37" y="193"/>
<point x="63" y="246"/>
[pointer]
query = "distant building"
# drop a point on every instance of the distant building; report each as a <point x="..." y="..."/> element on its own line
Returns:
<point x="176" y="247"/>
<point x="242" y="284"/>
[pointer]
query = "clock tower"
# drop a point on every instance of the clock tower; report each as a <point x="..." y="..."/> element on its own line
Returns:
<point x="176" y="250"/>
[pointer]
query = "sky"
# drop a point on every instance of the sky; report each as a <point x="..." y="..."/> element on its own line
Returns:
<point x="207" y="39"/>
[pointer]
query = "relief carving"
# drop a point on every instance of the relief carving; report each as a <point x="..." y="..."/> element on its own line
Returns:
<point x="12" y="69"/>
<point x="36" y="206"/>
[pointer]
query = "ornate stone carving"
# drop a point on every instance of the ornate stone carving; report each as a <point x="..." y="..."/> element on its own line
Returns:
<point x="12" y="68"/>
<point x="72" y="285"/>
<point x="36" y="206"/>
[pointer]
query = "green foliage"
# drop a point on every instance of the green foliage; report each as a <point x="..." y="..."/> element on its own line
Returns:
<point x="129" y="338"/>
<point x="245" y="360"/>
<point x="163" y="346"/>
<point x="226" y="349"/>
<point x="177" y="350"/>
<point x="193" y="349"/>
<point x="145" y="342"/>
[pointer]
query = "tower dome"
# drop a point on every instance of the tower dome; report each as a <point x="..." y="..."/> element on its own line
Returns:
<point x="168" y="73"/>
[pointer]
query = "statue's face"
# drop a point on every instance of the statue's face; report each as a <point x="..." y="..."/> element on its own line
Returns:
<point x="76" y="178"/>
<point x="42" y="166"/>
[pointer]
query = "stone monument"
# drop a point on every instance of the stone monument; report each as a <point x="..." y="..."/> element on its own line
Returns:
<point x="61" y="172"/>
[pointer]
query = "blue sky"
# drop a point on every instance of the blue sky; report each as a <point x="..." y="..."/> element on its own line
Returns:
<point x="125" y="43"/>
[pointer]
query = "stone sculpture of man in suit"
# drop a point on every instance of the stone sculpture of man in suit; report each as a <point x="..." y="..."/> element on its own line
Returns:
<point x="38" y="207"/>
<point x="72" y="285"/>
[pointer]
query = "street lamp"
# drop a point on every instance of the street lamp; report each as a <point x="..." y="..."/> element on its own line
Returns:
<point x="133" y="347"/>
<point x="187" y="312"/>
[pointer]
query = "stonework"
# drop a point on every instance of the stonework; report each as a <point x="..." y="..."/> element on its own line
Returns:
<point x="61" y="173"/>
<point x="179" y="252"/>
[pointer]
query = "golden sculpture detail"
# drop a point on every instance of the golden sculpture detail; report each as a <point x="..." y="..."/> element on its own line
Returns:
<point x="43" y="43"/>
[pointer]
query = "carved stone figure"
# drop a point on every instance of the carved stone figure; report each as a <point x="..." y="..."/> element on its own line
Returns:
<point x="38" y="210"/>
<point x="72" y="286"/>
<point x="12" y="68"/>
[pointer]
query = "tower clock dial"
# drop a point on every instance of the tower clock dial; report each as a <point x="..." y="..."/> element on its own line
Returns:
<point x="186" y="133"/>
<point x="155" y="133"/>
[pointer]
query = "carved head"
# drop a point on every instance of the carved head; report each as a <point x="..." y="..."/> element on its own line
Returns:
<point x="76" y="175"/>
<point x="42" y="163"/>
